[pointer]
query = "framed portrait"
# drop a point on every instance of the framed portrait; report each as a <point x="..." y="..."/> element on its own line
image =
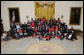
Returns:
<point x="75" y="16"/>
<point x="14" y="15"/>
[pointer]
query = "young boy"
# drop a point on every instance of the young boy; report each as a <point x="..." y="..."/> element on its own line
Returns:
<point x="8" y="35"/>
<point x="39" y="36"/>
<point x="16" y="35"/>
<point x="4" y="36"/>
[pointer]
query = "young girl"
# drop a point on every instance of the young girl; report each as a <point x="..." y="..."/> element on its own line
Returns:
<point x="39" y="24"/>
<point x="53" y="30"/>
<point x="20" y="32"/>
<point x="34" y="35"/>
<point x="48" y="37"/>
<point x="33" y="25"/>
<point x="8" y="35"/>
<point x="36" y="30"/>
<point x="56" y="31"/>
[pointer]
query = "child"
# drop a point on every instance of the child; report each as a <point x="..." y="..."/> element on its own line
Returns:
<point x="58" y="20"/>
<point x="36" y="30"/>
<point x="60" y="35"/>
<point x="53" y="31"/>
<point x="44" y="37"/>
<point x="47" y="28"/>
<point x="20" y="32"/>
<point x="39" y="36"/>
<point x="18" y="27"/>
<point x="4" y="36"/>
<point x="33" y="25"/>
<point x="43" y="19"/>
<point x="56" y="31"/>
<point x="16" y="35"/>
<point x="25" y="33"/>
<point x="48" y="37"/>
<point x="34" y="35"/>
<point x="8" y="35"/>
<point x="39" y="24"/>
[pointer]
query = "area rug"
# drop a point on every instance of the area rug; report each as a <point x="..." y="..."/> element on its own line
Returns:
<point x="45" y="48"/>
<point x="30" y="45"/>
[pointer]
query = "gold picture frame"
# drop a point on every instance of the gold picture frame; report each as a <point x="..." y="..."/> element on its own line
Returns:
<point x="17" y="10"/>
<point x="75" y="15"/>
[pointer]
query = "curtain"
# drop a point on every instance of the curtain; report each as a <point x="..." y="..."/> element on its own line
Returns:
<point x="41" y="12"/>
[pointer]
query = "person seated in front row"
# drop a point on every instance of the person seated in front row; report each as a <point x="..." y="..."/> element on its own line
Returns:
<point x="8" y="35"/>
<point x="16" y="34"/>
<point x="40" y="36"/>
<point x="4" y="36"/>
<point x="47" y="37"/>
<point x="21" y="33"/>
<point x="34" y="35"/>
<point x="25" y="33"/>
<point x="71" y="35"/>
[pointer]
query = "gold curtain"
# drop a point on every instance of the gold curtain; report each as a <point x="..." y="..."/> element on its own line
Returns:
<point x="41" y="12"/>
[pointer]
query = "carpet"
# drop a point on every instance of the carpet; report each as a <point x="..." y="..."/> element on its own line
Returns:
<point x="30" y="45"/>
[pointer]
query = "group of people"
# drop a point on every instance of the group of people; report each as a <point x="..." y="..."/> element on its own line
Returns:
<point x="42" y="29"/>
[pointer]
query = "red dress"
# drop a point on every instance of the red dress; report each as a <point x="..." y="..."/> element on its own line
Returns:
<point x="40" y="35"/>
<point x="49" y="30"/>
<point x="43" y="20"/>
<point x="58" y="20"/>
<point x="48" y="37"/>
<point x="35" y="29"/>
<point x="44" y="37"/>
<point x="33" y="25"/>
<point x="57" y="36"/>
<point x="34" y="35"/>
<point x="20" y="31"/>
<point x="56" y="28"/>
<point x="53" y="30"/>
<point x="40" y="24"/>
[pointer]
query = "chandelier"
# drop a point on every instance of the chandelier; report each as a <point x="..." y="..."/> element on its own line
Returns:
<point x="44" y="2"/>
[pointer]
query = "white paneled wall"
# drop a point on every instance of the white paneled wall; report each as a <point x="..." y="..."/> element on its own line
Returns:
<point x="27" y="9"/>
